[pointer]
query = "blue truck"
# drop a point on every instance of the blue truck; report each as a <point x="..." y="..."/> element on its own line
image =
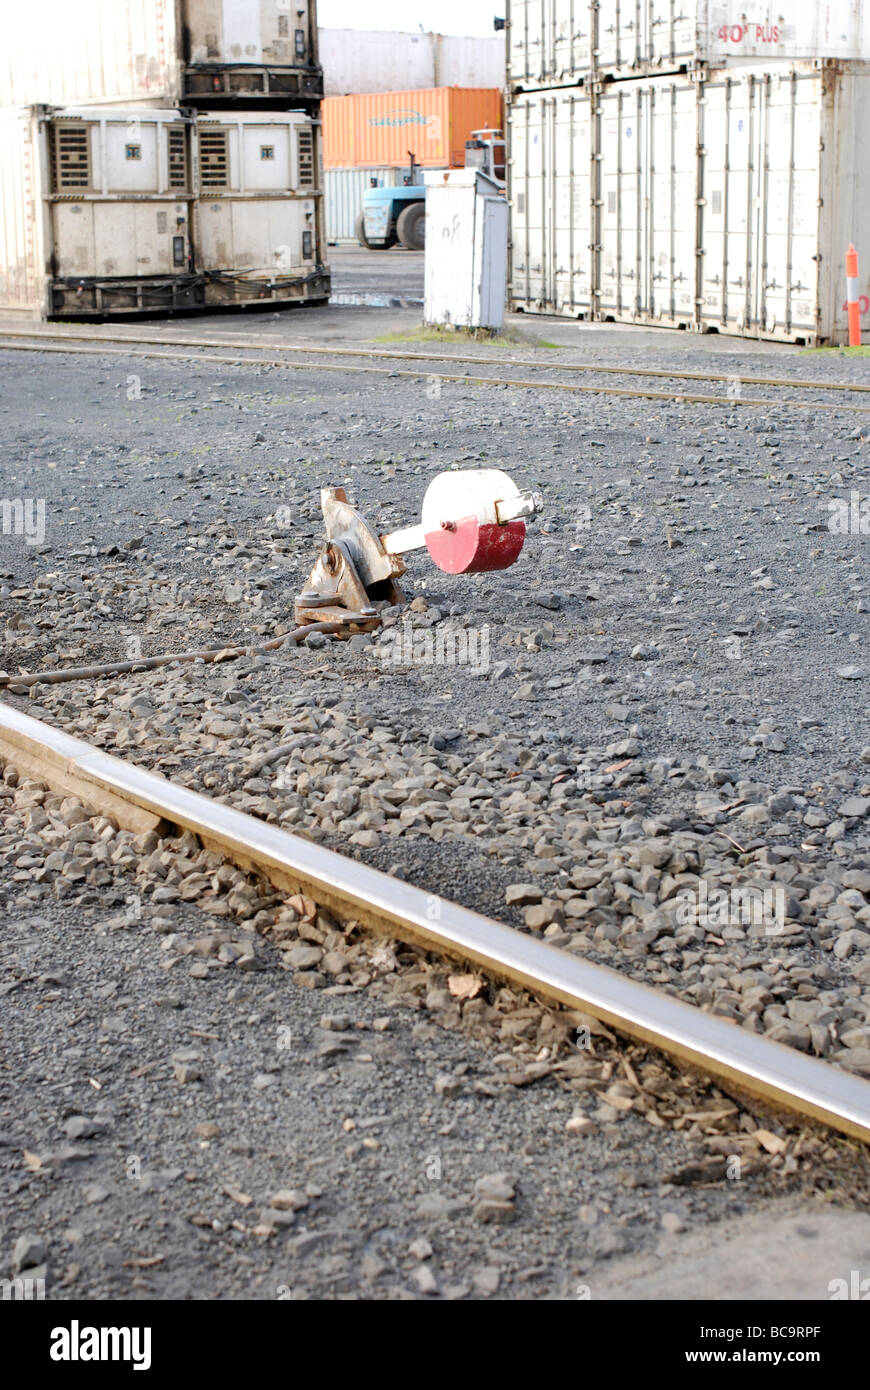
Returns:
<point x="396" y="215"/>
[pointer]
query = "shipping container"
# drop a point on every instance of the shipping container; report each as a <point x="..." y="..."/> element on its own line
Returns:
<point x="356" y="60"/>
<point x="160" y="52"/>
<point x="96" y="212"/>
<point x="258" y="225"/>
<point x="718" y="201"/>
<point x="368" y="130"/>
<point x="557" y="42"/>
<point x="343" y="193"/>
<point x="111" y="210"/>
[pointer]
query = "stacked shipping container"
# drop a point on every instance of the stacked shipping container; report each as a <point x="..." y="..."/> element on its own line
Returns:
<point x="648" y="185"/>
<point x="114" y="208"/>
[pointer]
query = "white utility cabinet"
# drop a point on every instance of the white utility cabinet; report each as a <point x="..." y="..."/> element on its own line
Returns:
<point x="466" y="249"/>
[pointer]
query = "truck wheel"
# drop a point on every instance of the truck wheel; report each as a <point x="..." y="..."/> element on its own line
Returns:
<point x="411" y="227"/>
<point x="359" y="227"/>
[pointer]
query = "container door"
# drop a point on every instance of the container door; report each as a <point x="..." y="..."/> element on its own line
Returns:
<point x="618" y="37"/>
<point x="730" y="140"/>
<point x="570" y="212"/>
<point x="533" y="23"/>
<point x="791" y="207"/>
<point x="671" y="31"/>
<point x="620" y="152"/>
<point x="571" y="39"/>
<point x="670" y="178"/>
<point x="528" y="195"/>
<point x="518" y="42"/>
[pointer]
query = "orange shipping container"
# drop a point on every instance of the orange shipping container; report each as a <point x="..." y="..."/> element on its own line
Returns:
<point x="371" y="129"/>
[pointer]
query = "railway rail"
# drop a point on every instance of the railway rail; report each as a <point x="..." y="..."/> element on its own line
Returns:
<point x="141" y="800"/>
<point x="300" y="358"/>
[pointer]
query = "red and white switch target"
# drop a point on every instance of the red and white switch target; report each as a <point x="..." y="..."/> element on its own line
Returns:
<point x="472" y="521"/>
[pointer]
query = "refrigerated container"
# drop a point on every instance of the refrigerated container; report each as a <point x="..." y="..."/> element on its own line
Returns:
<point x="96" y="212"/>
<point x="558" y="42"/>
<point x="370" y="129"/>
<point x="251" y="50"/>
<point x="258" y="223"/>
<point x="160" y="52"/>
<point x="718" y="200"/>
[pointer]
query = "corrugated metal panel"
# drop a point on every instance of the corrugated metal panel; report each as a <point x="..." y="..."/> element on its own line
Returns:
<point x="343" y="193"/>
<point x="90" y="51"/>
<point x="722" y="200"/>
<point x="370" y="129"/>
<point x="357" y="60"/>
<point x="552" y="42"/>
<point x="117" y="51"/>
<point x="23" y="281"/>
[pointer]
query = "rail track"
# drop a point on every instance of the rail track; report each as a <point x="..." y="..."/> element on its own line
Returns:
<point x="141" y="800"/>
<point x="301" y="358"/>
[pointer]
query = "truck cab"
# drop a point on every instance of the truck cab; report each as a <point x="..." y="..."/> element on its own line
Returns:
<point x="398" y="215"/>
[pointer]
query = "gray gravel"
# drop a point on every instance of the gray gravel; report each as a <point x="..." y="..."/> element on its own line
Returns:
<point x="673" y="703"/>
<point x="210" y="1092"/>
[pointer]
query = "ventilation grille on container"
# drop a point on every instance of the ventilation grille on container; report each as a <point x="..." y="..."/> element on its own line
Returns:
<point x="177" y="157"/>
<point x="305" y="153"/>
<point x="214" y="158"/>
<point x="70" y="157"/>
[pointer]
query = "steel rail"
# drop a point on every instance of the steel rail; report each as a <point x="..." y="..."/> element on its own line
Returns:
<point x="260" y="344"/>
<point x="719" y="1048"/>
<point x="137" y="350"/>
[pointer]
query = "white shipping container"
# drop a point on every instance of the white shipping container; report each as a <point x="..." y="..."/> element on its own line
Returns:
<point x="23" y="215"/>
<point x="549" y="187"/>
<point x="720" y="201"/>
<point x="358" y="60"/>
<point x="556" y="42"/>
<point x="259" y="214"/>
<point x="343" y="193"/>
<point x="96" y="211"/>
<point x="157" y="52"/>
